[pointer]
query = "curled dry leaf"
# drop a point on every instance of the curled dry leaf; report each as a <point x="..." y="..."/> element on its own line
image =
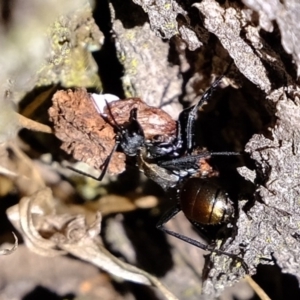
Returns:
<point x="8" y="251"/>
<point x="48" y="233"/>
<point x="20" y="168"/>
<point x="21" y="216"/>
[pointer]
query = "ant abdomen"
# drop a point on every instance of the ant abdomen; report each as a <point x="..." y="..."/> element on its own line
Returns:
<point x="204" y="202"/>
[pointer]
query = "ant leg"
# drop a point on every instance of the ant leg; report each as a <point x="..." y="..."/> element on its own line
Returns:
<point x="167" y="217"/>
<point x="172" y="213"/>
<point x="184" y="162"/>
<point x="104" y="166"/>
<point x="107" y="161"/>
<point x="192" y="114"/>
<point x="191" y="161"/>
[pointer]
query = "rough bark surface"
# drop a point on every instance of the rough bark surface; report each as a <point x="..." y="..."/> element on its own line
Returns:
<point x="167" y="53"/>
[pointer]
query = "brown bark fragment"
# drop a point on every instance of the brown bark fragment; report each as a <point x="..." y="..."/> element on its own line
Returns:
<point x="85" y="135"/>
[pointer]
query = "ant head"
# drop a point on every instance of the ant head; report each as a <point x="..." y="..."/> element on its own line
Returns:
<point x="129" y="136"/>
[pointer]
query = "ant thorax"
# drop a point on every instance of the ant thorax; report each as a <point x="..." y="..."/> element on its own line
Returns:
<point x="163" y="177"/>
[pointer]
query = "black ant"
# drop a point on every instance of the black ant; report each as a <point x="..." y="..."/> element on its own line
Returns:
<point x="201" y="200"/>
<point x="177" y="164"/>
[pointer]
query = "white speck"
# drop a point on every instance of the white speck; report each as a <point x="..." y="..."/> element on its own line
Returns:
<point x="99" y="101"/>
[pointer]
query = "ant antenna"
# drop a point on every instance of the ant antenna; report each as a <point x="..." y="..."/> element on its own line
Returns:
<point x="224" y="153"/>
<point x="104" y="166"/>
<point x="115" y="124"/>
<point x="182" y="161"/>
<point x="107" y="161"/>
